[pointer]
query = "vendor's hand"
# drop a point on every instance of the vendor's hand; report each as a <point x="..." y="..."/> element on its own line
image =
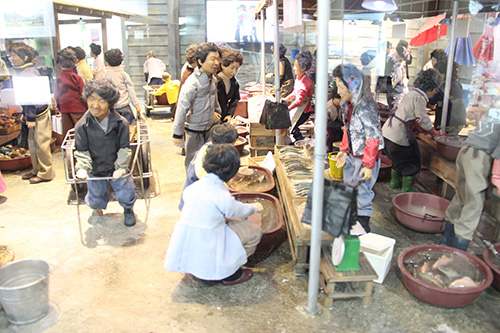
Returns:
<point x="82" y="174"/>
<point x="176" y="141"/>
<point x="217" y="117"/>
<point x="31" y="124"/>
<point x="366" y="173"/>
<point x="228" y="118"/>
<point x="341" y="156"/>
<point x="119" y="173"/>
<point x="260" y="208"/>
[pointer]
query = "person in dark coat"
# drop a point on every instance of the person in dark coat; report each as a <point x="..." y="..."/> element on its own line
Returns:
<point x="228" y="89"/>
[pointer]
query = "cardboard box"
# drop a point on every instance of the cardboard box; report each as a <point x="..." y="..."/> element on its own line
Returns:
<point x="378" y="250"/>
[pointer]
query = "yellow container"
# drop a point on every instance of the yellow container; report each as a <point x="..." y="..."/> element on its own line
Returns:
<point x="334" y="171"/>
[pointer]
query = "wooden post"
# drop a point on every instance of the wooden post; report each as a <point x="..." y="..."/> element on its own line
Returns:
<point x="104" y="35"/>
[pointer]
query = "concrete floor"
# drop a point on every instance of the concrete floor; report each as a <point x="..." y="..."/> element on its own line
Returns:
<point x="113" y="279"/>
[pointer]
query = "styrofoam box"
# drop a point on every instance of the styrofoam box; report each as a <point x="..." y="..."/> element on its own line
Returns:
<point x="378" y="250"/>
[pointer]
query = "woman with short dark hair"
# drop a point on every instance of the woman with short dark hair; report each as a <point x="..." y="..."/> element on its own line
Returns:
<point x="228" y="88"/>
<point x="300" y="98"/>
<point x="456" y="117"/>
<point x="82" y="67"/>
<point x="213" y="237"/>
<point x="68" y="91"/>
<point x="400" y="143"/>
<point x="98" y="67"/>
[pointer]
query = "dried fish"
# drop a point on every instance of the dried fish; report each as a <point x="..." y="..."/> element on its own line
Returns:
<point x="292" y="152"/>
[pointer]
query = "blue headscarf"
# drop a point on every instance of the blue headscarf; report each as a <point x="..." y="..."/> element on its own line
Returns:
<point x="354" y="79"/>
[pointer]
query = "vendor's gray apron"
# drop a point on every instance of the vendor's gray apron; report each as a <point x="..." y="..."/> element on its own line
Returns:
<point x="299" y="112"/>
<point x="408" y="124"/>
<point x="294" y="119"/>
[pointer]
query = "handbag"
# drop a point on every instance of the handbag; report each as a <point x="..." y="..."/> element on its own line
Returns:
<point x="275" y="115"/>
<point x="340" y="209"/>
<point x="382" y="84"/>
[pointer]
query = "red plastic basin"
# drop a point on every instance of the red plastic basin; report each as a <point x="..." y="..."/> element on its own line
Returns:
<point x="268" y="176"/>
<point x="448" y="146"/>
<point x="15" y="164"/>
<point x="488" y="256"/>
<point x="240" y="144"/>
<point x="447" y="298"/>
<point x="421" y="212"/>
<point x="271" y="234"/>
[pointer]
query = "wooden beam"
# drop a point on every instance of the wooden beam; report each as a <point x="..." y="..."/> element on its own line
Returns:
<point x="104" y="30"/>
<point x="76" y="21"/>
<point x="56" y="40"/>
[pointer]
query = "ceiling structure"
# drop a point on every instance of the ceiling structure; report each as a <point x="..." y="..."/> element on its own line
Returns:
<point x="71" y="8"/>
<point x="407" y="9"/>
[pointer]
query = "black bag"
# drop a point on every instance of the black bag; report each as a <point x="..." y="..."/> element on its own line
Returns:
<point x="275" y="115"/>
<point x="382" y="84"/>
<point x="340" y="209"/>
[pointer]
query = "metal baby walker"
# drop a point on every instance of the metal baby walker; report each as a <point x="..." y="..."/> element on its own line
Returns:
<point x="140" y="166"/>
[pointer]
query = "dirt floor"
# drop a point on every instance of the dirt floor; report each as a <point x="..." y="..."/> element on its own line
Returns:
<point x="105" y="277"/>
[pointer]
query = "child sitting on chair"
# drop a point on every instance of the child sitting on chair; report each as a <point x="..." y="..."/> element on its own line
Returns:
<point x="103" y="150"/>
<point x="204" y="243"/>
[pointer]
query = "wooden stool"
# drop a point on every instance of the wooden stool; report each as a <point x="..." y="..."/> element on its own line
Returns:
<point x="350" y="283"/>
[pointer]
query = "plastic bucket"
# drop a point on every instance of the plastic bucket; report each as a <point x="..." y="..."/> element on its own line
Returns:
<point x="334" y="171"/>
<point x="24" y="290"/>
<point x="294" y="52"/>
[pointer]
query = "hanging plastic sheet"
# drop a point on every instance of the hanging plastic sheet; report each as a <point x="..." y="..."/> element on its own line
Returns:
<point x="484" y="48"/>
<point x="463" y="51"/>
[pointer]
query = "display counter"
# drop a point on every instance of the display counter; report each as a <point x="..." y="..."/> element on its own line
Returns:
<point x="293" y="183"/>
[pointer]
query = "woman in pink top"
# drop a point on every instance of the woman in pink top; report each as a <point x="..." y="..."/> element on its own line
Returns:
<point x="300" y="98"/>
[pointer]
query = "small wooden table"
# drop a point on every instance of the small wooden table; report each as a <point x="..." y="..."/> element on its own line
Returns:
<point x="354" y="283"/>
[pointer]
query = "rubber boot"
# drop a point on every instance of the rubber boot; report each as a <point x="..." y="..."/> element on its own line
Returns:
<point x="395" y="179"/>
<point x="449" y="234"/>
<point x="365" y="222"/>
<point x="407" y="184"/>
<point x="460" y="243"/>
<point x="129" y="217"/>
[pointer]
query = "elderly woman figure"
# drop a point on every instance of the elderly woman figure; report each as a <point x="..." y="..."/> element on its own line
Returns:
<point x="213" y="236"/>
<point x="300" y="98"/>
<point x="400" y="143"/>
<point x="103" y="150"/>
<point x="362" y="140"/>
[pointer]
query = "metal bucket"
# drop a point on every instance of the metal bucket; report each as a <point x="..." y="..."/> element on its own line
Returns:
<point x="24" y="290"/>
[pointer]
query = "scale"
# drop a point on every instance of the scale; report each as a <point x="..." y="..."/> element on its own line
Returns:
<point x="345" y="253"/>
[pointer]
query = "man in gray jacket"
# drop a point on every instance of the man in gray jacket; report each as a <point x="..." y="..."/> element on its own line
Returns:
<point x="197" y="107"/>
